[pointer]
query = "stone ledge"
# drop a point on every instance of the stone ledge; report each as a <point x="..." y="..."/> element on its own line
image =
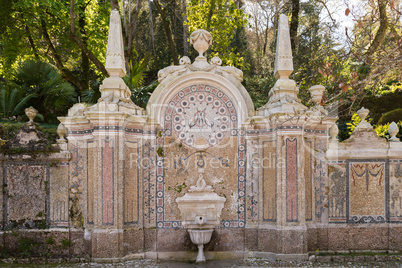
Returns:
<point x="191" y="255"/>
<point x="355" y="258"/>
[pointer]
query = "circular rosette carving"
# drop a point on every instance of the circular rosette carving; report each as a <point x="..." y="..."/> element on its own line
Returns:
<point x="200" y="117"/>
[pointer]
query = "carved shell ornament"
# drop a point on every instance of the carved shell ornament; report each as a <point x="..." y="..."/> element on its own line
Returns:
<point x="201" y="40"/>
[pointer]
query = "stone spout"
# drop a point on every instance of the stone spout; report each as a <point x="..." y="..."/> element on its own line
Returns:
<point x="200" y="220"/>
<point x="200" y="205"/>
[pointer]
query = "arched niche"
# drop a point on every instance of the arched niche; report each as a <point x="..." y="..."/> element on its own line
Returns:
<point x="160" y="98"/>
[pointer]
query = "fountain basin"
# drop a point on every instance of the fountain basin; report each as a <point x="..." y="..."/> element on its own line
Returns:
<point x="200" y="237"/>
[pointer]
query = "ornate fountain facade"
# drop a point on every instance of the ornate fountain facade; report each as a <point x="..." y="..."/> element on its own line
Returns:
<point x="126" y="172"/>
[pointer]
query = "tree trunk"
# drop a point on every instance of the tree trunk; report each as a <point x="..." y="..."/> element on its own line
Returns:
<point x="99" y="65"/>
<point x="84" y="57"/>
<point x="151" y="22"/>
<point x="131" y="32"/>
<point x="211" y="13"/>
<point x="168" y="32"/>
<point x="382" y="30"/>
<point x="31" y="42"/>
<point x="185" y="28"/>
<point x="114" y="4"/>
<point x="294" y="23"/>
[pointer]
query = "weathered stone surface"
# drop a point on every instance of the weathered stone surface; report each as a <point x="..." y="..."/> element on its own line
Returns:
<point x="251" y="239"/>
<point x="338" y="238"/>
<point x="395" y="238"/>
<point x="133" y="241"/>
<point x="265" y="238"/>
<point x="283" y="55"/>
<point x="366" y="238"/>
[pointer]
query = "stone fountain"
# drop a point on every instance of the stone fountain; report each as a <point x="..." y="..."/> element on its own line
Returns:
<point x="200" y="209"/>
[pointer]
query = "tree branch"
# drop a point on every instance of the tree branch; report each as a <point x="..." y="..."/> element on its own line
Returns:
<point x="99" y="65"/>
<point x="380" y="35"/>
<point x="56" y="57"/>
<point x="168" y="32"/>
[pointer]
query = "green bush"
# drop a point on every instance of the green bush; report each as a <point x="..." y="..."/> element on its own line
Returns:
<point x="379" y="105"/>
<point x="391" y="116"/>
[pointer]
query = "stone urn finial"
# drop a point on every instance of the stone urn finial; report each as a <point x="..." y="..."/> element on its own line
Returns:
<point x="201" y="40"/>
<point x="333" y="132"/>
<point x="31" y="113"/>
<point x="316" y="93"/>
<point x="363" y="113"/>
<point x="393" y="130"/>
<point x="61" y="131"/>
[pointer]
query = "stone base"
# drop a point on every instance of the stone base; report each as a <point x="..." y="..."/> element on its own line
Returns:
<point x="349" y="237"/>
<point x="107" y="243"/>
<point x="57" y="243"/>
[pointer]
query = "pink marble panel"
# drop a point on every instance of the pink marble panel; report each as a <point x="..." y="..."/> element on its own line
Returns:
<point x="291" y="180"/>
<point x="107" y="183"/>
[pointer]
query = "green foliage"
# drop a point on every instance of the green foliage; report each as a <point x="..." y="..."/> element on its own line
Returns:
<point x="259" y="88"/>
<point x="13" y="101"/>
<point x="389" y="99"/>
<point x="65" y="243"/>
<point x="134" y="79"/>
<point x="92" y="94"/>
<point x="178" y="187"/>
<point x="51" y="93"/>
<point x="50" y="240"/>
<point x="382" y="131"/>
<point x="222" y="19"/>
<point x="140" y="94"/>
<point x="159" y="151"/>
<point x="26" y="246"/>
<point x="391" y="116"/>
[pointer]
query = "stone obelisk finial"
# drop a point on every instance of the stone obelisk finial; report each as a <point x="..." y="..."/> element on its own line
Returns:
<point x="283" y="96"/>
<point x="283" y="60"/>
<point x="115" y="64"/>
<point x="115" y="95"/>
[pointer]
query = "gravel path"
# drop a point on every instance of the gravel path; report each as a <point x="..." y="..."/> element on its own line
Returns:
<point x="249" y="263"/>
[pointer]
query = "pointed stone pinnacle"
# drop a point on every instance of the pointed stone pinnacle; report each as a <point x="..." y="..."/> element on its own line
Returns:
<point x="283" y="58"/>
<point x="115" y="64"/>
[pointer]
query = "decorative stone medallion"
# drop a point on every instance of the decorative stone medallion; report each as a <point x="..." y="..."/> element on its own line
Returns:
<point x="200" y="116"/>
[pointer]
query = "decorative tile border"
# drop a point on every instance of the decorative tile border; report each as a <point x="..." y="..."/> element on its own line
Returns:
<point x="272" y="130"/>
<point x="252" y="180"/>
<point x="149" y="184"/>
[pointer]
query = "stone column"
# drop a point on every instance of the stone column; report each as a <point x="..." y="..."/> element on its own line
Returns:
<point x="98" y="169"/>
